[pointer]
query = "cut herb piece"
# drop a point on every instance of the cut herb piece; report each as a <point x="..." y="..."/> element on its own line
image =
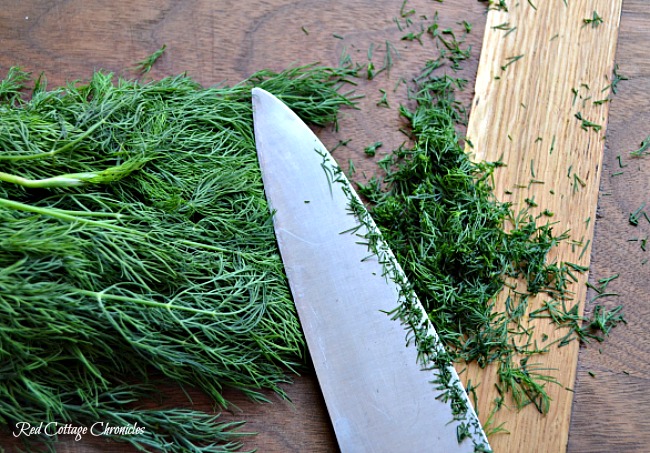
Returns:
<point x="586" y="124"/>
<point x="616" y="79"/>
<point x="643" y="148"/>
<point x="595" y="20"/>
<point x="636" y="215"/>
<point x="372" y="149"/>
<point x="511" y="60"/>
<point x="145" y="65"/>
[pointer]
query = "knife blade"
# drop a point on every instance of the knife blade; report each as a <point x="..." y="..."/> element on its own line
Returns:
<point x="380" y="394"/>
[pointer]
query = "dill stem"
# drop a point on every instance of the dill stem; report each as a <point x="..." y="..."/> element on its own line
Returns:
<point x="101" y="295"/>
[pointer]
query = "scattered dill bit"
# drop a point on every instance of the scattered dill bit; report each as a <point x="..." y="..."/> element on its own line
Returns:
<point x="643" y="148"/>
<point x="304" y="30"/>
<point x="403" y="12"/>
<point x="509" y="31"/>
<point x="636" y="215"/>
<point x="351" y="168"/>
<point x="601" y="101"/>
<point x="619" y="158"/>
<point x="502" y="26"/>
<point x="383" y="102"/>
<point x="592" y="374"/>
<point x="584" y="249"/>
<point x="370" y="70"/>
<point x="511" y="60"/>
<point x="530" y="202"/>
<point x="145" y="65"/>
<point x="372" y="149"/>
<point x="616" y="79"/>
<point x="413" y="36"/>
<point x="552" y="145"/>
<point x="399" y="26"/>
<point x="595" y="20"/>
<point x="578" y="182"/>
<point x="390" y="55"/>
<point x="586" y="124"/>
<point x="605" y="320"/>
<point x="554" y="37"/>
<point x="532" y="5"/>
<point x="575" y="96"/>
<point x="468" y="26"/>
<point x="337" y="36"/>
<point x="340" y="143"/>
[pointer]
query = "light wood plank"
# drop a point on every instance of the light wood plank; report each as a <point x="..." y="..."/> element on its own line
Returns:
<point x="524" y="113"/>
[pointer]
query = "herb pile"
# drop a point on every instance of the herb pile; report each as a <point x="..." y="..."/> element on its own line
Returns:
<point x="135" y="243"/>
<point x="462" y="249"/>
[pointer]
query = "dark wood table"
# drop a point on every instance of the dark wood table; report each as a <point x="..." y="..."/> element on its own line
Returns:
<point x="215" y="41"/>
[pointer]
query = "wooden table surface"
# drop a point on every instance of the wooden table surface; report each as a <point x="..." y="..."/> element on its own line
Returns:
<point x="215" y="41"/>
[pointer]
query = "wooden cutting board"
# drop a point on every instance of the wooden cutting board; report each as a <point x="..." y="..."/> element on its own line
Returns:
<point x="541" y="104"/>
<point x="228" y="40"/>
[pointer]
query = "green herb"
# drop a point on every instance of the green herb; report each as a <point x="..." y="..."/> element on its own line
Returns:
<point x="403" y="12"/>
<point x="413" y="37"/>
<point x="145" y="65"/>
<point x="372" y="149"/>
<point x="511" y="60"/>
<point x="604" y="320"/>
<point x="636" y="215"/>
<point x="643" y="148"/>
<point x="586" y="124"/>
<point x="135" y="242"/>
<point x="383" y="102"/>
<point x="616" y="79"/>
<point x="595" y="20"/>
<point x="437" y="211"/>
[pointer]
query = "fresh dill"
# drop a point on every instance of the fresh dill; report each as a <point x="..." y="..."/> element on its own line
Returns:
<point x="511" y="60"/>
<point x="585" y="124"/>
<point x="616" y="79"/>
<point x="643" y="148"/>
<point x="595" y="20"/>
<point x="145" y="65"/>
<point x="372" y="149"/>
<point x="143" y="250"/>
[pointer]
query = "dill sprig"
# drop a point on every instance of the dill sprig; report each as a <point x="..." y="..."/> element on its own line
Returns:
<point x="136" y="242"/>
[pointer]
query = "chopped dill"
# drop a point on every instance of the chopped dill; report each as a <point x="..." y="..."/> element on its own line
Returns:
<point x="643" y="148"/>
<point x="586" y="124"/>
<point x="146" y="64"/>
<point x="595" y="20"/>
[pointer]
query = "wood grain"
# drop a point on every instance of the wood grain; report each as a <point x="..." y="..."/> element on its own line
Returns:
<point x="611" y="408"/>
<point x="228" y="40"/>
<point x="541" y="69"/>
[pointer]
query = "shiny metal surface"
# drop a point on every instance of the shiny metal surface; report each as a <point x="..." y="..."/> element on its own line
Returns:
<point x="377" y="396"/>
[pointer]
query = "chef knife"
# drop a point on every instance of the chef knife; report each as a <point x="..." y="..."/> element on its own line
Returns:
<point x="381" y="395"/>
